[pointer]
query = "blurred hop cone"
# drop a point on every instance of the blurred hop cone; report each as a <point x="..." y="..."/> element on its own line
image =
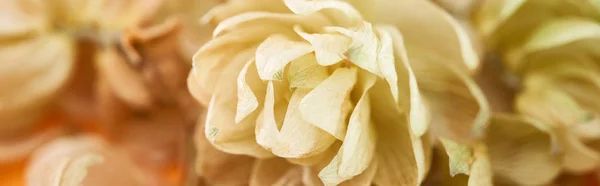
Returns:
<point x="83" y="160"/>
<point x="84" y="62"/>
<point x="552" y="46"/>
<point x="355" y="92"/>
<point x="41" y="44"/>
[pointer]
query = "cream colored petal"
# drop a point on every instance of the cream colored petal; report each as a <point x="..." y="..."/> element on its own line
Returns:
<point x="578" y="157"/>
<point x="429" y="32"/>
<point x="221" y="128"/>
<point x="481" y="170"/>
<point x="304" y="72"/>
<point x="231" y="8"/>
<point x="521" y="153"/>
<point x="364" y="47"/>
<point x="313" y="21"/>
<point x="212" y="59"/>
<point x="83" y="160"/>
<point x="358" y="148"/>
<point x="409" y="95"/>
<point x="365" y="178"/>
<point x="588" y="131"/>
<point x="329" y="48"/>
<point x="508" y="24"/>
<point x="124" y="80"/>
<point x="14" y="150"/>
<point x="291" y="177"/>
<point x="296" y="138"/>
<point x="222" y="131"/>
<point x="422" y="148"/>
<point x="491" y="14"/>
<point x="444" y="89"/>
<point x="248" y="86"/>
<point x="76" y="171"/>
<point x="459" y="8"/>
<point x="208" y="61"/>
<point x="440" y="171"/>
<point x="351" y="15"/>
<point x="32" y="72"/>
<point x="551" y="106"/>
<point x="269" y="171"/>
<point x="300" y="138"/>
<point x="460" y="156"/>
<point x="275" y="53"/>
<point x="217" y="167"/>
<point x="18" y="18"/>
<point x="327" y="106"/>
<point x="578" y="81"/>
<point x="393" y="140"/>
<point x="386" y="61"/>
<point x="560" y="32"/>
<point x="271" y="117"/>
<point x="196" y="90"/>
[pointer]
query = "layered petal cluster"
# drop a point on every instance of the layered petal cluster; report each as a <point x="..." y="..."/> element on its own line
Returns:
<point x="42" y="43"/>
<point x="83" y="160"/>
<point x="551" y="47"/>
<point x="104" y="67"/>
<point x="354" y="91"/>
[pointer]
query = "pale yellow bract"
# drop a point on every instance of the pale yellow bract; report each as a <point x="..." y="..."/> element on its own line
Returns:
<point x="352" y="91"/>
<point x="83" y="160"/>
<point x="552" y="46"/>
<point x="40" y="47"/>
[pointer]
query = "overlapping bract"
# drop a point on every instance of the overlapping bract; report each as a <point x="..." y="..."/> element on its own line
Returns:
<point x="104" y="67"/>
<point x="41" y="46"/>
<point x="350" y="92"/>
<point x="552" y="47"/>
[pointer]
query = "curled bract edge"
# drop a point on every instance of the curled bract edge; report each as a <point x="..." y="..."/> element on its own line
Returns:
<point x="317" y="74"/>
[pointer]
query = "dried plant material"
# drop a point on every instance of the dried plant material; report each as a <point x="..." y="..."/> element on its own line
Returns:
<point x="76" y="171"/>
<point x="329" y="48"/>
<point x="422" y="148"/>
<point x="474" y="112"/>
<point x="412" y="100"/>
<point x="358" y="148"/>
<point x="141" y="53"/>
<point x="269" y="66"/>
<point x="30" y="82"/>
<point x="520" y="152"/>
<point x="332" y="96"/>
<point x="59" y="29"/>
<point x="457" y="7"/>
<point x="159" y="144"/>
<point x="317" y="73"/>
<point x="216" y="167"/>
<point x="479" y="171"/>
<point x="82" y="161"/>
<point x="285" y="142"/>
<point x="123" y="80"/>
<point x="552" y="46"/>
<point x="18" y="147"/>
<point x="460" y="157"/>
<point x="503" y="19"/>
<point x="269" y="171"/>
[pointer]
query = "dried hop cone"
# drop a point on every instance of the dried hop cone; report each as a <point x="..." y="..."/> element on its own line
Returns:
<point x="348" y="88"/>
<point x="552" y="47"/>
<point x="42" y="45"/>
